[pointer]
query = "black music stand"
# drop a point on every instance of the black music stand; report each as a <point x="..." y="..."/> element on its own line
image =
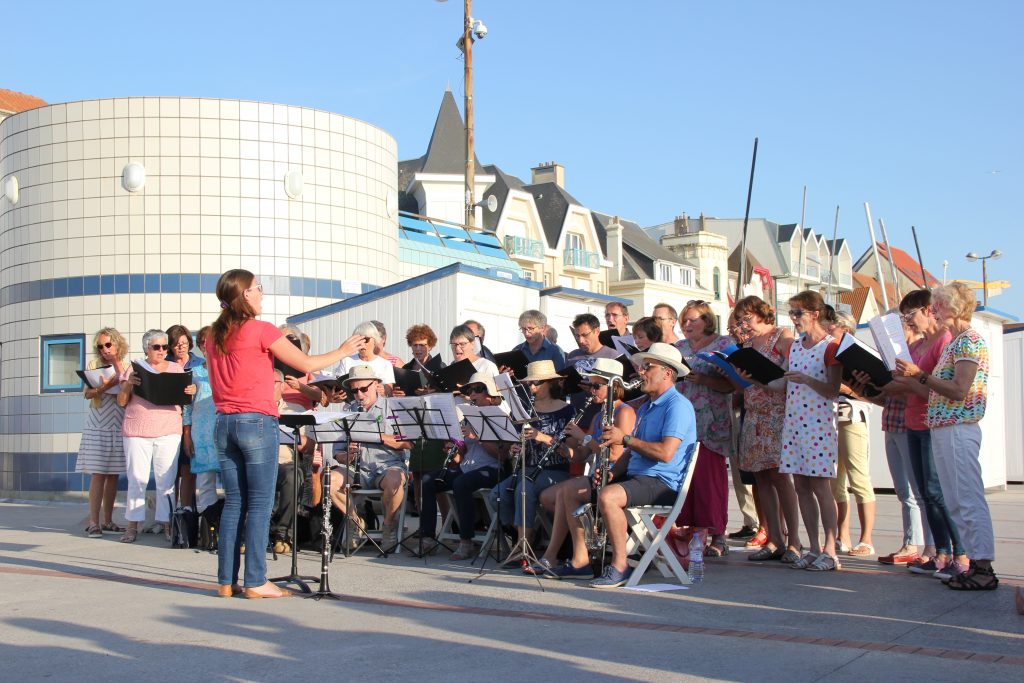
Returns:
<point x="500" y="428"/>
<point x="427" y="423"/>
<point x="295" y="422"/>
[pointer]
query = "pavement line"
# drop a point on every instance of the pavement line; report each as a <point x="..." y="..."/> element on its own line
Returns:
<point x="862" y="645"/>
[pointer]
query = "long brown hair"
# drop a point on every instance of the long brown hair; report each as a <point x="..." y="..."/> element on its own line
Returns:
<point x="235" y="310"/>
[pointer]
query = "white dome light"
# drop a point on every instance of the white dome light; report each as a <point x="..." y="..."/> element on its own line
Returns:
<point x="133" y="177"/>
<point x="12" y="190"/>
<point x="293" y="184"/>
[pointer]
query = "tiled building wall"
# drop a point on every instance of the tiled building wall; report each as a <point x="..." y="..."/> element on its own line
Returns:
<point x="78" y="251"/>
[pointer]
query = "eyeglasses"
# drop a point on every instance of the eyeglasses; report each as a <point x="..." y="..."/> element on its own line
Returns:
<point x="182" y="343"/>
<point x="159" y="347"/>
<point x="907" y="317"/>
<point x="536" y="382"/>
<point x="528" y="330"/>
<point x="580" y="333"/>
<point x="664" y="318"/>
<point x="796" y="313"/>
<point x="460" y="345"/>
<point x="100" y="347"/>
<point x="256" y="286"/>
<point x="696" y="302"/>
<point x="361" y="390"/>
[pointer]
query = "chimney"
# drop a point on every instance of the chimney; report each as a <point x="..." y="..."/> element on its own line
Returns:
<point x="614" y="234"/>
<point x="702" y="228"/>
<point x="548" y="172"/>
<point x="682" y="225"/>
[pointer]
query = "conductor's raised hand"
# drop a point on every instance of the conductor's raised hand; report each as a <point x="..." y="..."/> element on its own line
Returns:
<point x="354" y="344"/>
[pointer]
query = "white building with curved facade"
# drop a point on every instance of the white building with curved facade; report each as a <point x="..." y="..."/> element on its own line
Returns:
<point x="124" y="212"/>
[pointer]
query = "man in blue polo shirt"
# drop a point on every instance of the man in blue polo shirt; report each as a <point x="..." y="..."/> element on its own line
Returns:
<point x="665" y="429"/>
<point x="534" y="324"/>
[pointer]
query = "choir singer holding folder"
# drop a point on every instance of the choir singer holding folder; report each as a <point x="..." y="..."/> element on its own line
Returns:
<point x="240" y="356"/>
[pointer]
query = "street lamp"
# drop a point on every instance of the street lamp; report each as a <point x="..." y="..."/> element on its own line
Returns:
<point x="971" y="256"/>
<point x="472" y="29"/>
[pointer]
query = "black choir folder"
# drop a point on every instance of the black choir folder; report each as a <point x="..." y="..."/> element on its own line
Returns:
<point x="514" y="359"/>
<point x="163" y="388"/>
<point x="754" y="363"/>
<point x="450" y="378"/>
<point x="410" y="380"/>
<point x="856" y="355"/>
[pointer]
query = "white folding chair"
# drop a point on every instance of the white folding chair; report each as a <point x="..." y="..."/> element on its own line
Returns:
<point x="448" y="535"/>
<point x="375" y="496"/>
<point x="645" y="535"/>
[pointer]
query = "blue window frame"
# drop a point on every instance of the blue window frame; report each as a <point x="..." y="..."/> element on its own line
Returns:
<point x="61" y="355"/>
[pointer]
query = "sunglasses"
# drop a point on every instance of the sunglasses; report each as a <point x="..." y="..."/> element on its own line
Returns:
<point x="361" y="390"/>
<point x="591" y="386"/>
<point x="475" y="389"/>
<point x="696" y="302"/>
<point x="160" y="347"/>
<point x="644" y="367"/>
<point x="100" y="347"/>
<point x="796" y="313"/>
<point x="536" y="382"/>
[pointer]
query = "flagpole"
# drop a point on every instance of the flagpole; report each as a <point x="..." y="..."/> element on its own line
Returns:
<point x="746" y="219"/>
<point x="878" y="262"/>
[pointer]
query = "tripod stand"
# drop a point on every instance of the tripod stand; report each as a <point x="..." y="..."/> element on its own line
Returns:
<point x="295" y="422"/>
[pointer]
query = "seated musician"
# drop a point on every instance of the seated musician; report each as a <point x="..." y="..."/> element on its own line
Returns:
<point x="474" y="466"/>
<point x="563" y="499"/>
<point x="285" y="509"/>
<point x="665" y="429"/>
<point x="553" y="415"/>
<point x="377" y="465"/>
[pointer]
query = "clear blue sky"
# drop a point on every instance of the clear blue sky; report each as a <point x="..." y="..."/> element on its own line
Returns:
<point x="915" y="107"/>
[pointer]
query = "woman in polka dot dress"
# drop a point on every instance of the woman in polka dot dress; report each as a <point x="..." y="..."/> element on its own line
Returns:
<point x="809" y="439"/>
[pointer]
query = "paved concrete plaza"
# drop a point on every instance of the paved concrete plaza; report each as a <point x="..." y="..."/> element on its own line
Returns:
<point x="78" y="609"/>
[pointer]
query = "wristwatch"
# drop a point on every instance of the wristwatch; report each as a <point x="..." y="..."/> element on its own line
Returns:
<point x="626" y="439"/>
<point x="586" y="440"/>
<point x="923" y="378"/>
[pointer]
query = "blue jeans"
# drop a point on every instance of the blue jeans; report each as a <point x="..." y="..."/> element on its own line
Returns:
<point x="247" y="452"/>
<point x="947" y="539"/>
<point x="513" y="500"/>
<point x="916" y="530"/>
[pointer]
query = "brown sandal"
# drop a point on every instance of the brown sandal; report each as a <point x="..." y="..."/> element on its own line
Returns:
<point x="967" y="580"/>
<point x="130" y="535"/>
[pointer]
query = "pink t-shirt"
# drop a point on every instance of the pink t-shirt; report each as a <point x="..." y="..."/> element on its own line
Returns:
<point x="295" y="396"/>
<point x="242" y="379"/>
<point x="147" y="420"/>
<point x="926" y="358"/>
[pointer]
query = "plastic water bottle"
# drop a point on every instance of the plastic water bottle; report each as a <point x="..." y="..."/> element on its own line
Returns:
<point x="696" y="570"/>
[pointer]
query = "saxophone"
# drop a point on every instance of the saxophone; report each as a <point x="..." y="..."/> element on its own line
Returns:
<point x="589" y="514"/>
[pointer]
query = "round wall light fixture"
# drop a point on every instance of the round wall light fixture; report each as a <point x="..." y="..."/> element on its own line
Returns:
<point x="133" y="177"/>
<point x="293" y="184"/>
<point x="11" y="189"/>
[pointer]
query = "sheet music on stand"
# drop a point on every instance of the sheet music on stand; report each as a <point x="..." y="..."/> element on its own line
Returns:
<point x="491" y="423"/>
<point x="520" y="411"/>
<point x="350" y="426"/>
<point x="433" y="417"/>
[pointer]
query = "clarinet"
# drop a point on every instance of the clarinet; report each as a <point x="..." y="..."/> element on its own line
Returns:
<point x="446" y="468"/>
<point x="535" y="471"/>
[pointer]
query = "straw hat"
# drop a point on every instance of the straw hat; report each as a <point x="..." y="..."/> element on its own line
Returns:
<point x="487" y="380"/>
<point x="361" y="372"/>
<point x="663" y="353"/>
<point x="541" y="370"/>
<point x="604" y="367"/>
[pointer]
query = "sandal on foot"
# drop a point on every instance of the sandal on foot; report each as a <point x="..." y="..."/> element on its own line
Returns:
<point x="113" y="528"/>
<point x="861" y="550"/>
<point x="968" y="580"/>
<point x="824" y="563"/>
<point x="766" y="554"/>
<point x="717" y="549"/>
<point x="790" y="556"/>
<point x="130" y="535"/>
<point x="94" y="531"/>
<point x="804" y="562"/>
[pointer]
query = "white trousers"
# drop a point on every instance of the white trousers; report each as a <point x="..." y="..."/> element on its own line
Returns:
<point x="161" y="454"/>
<point x="206" y="490"/>
<point x="956" y="450"/>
